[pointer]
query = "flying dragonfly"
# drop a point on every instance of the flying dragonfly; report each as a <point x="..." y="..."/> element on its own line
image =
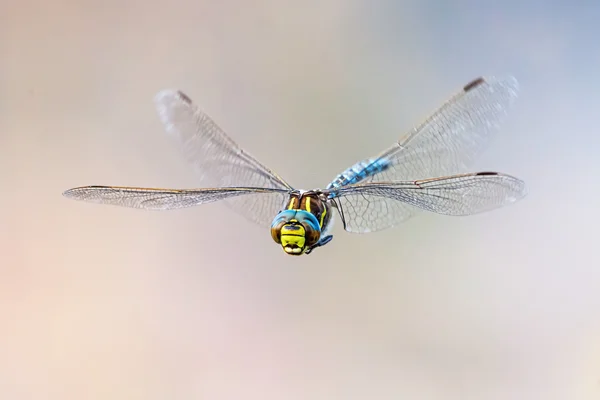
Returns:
<point x="425" y="170"/>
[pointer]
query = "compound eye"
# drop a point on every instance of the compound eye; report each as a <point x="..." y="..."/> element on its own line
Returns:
<point x="312" y="235"/>
<point x="276" y="231"/>
<point x="281" y="219"/>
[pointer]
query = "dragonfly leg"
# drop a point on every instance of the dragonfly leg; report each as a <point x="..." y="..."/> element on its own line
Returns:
<point x="324" y="240"/>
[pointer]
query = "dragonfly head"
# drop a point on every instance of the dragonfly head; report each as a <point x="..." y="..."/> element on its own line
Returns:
<point x="295" y="231"/>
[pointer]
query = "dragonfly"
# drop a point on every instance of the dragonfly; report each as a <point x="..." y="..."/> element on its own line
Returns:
<point x="425" y="170"/>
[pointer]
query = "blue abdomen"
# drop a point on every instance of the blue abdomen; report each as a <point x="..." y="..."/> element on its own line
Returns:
<point x="359" y="171"/>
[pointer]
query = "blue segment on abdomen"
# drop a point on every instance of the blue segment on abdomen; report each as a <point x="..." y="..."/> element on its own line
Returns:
<point x="359" y="171"/>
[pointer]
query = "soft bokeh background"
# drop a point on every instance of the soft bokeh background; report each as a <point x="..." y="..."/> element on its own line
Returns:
<point x="108" y="303"/>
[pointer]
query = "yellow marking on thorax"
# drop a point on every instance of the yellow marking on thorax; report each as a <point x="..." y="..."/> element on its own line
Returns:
<point x="307" y="204"/>
<point x="292" y="203"/>
<point x="323" y="216"/>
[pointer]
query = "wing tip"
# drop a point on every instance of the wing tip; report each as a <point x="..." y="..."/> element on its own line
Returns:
<point x="524" y="190"/>
<point x="71" y="193"/>
<point x="507" y="81"/>
<point x="74" y="193"/>
<point x="473" y="84"/>
<point x="510" y="83"/>
<point x="519" y="187"/>
<point x="171" y="95"/>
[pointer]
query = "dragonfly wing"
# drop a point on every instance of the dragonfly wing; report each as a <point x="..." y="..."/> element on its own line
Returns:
<point x="165" y="199"/>
<point x="375" y="206"/>
<point x="367" y="213"/>
<point x="217" y="159"/>
<point x="451" y="139"/>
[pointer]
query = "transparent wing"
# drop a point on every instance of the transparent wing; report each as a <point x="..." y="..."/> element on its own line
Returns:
<point x="449" y="141"/>
<point x="375" y="206"/>
<point x="165" y="199"/>
<point x="217" y="159"/>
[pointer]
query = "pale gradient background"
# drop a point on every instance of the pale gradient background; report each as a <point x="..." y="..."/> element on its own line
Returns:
<point x="108" y="303"/>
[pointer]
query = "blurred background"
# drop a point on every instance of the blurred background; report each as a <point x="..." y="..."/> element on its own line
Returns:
<point x="99" y="302"/>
